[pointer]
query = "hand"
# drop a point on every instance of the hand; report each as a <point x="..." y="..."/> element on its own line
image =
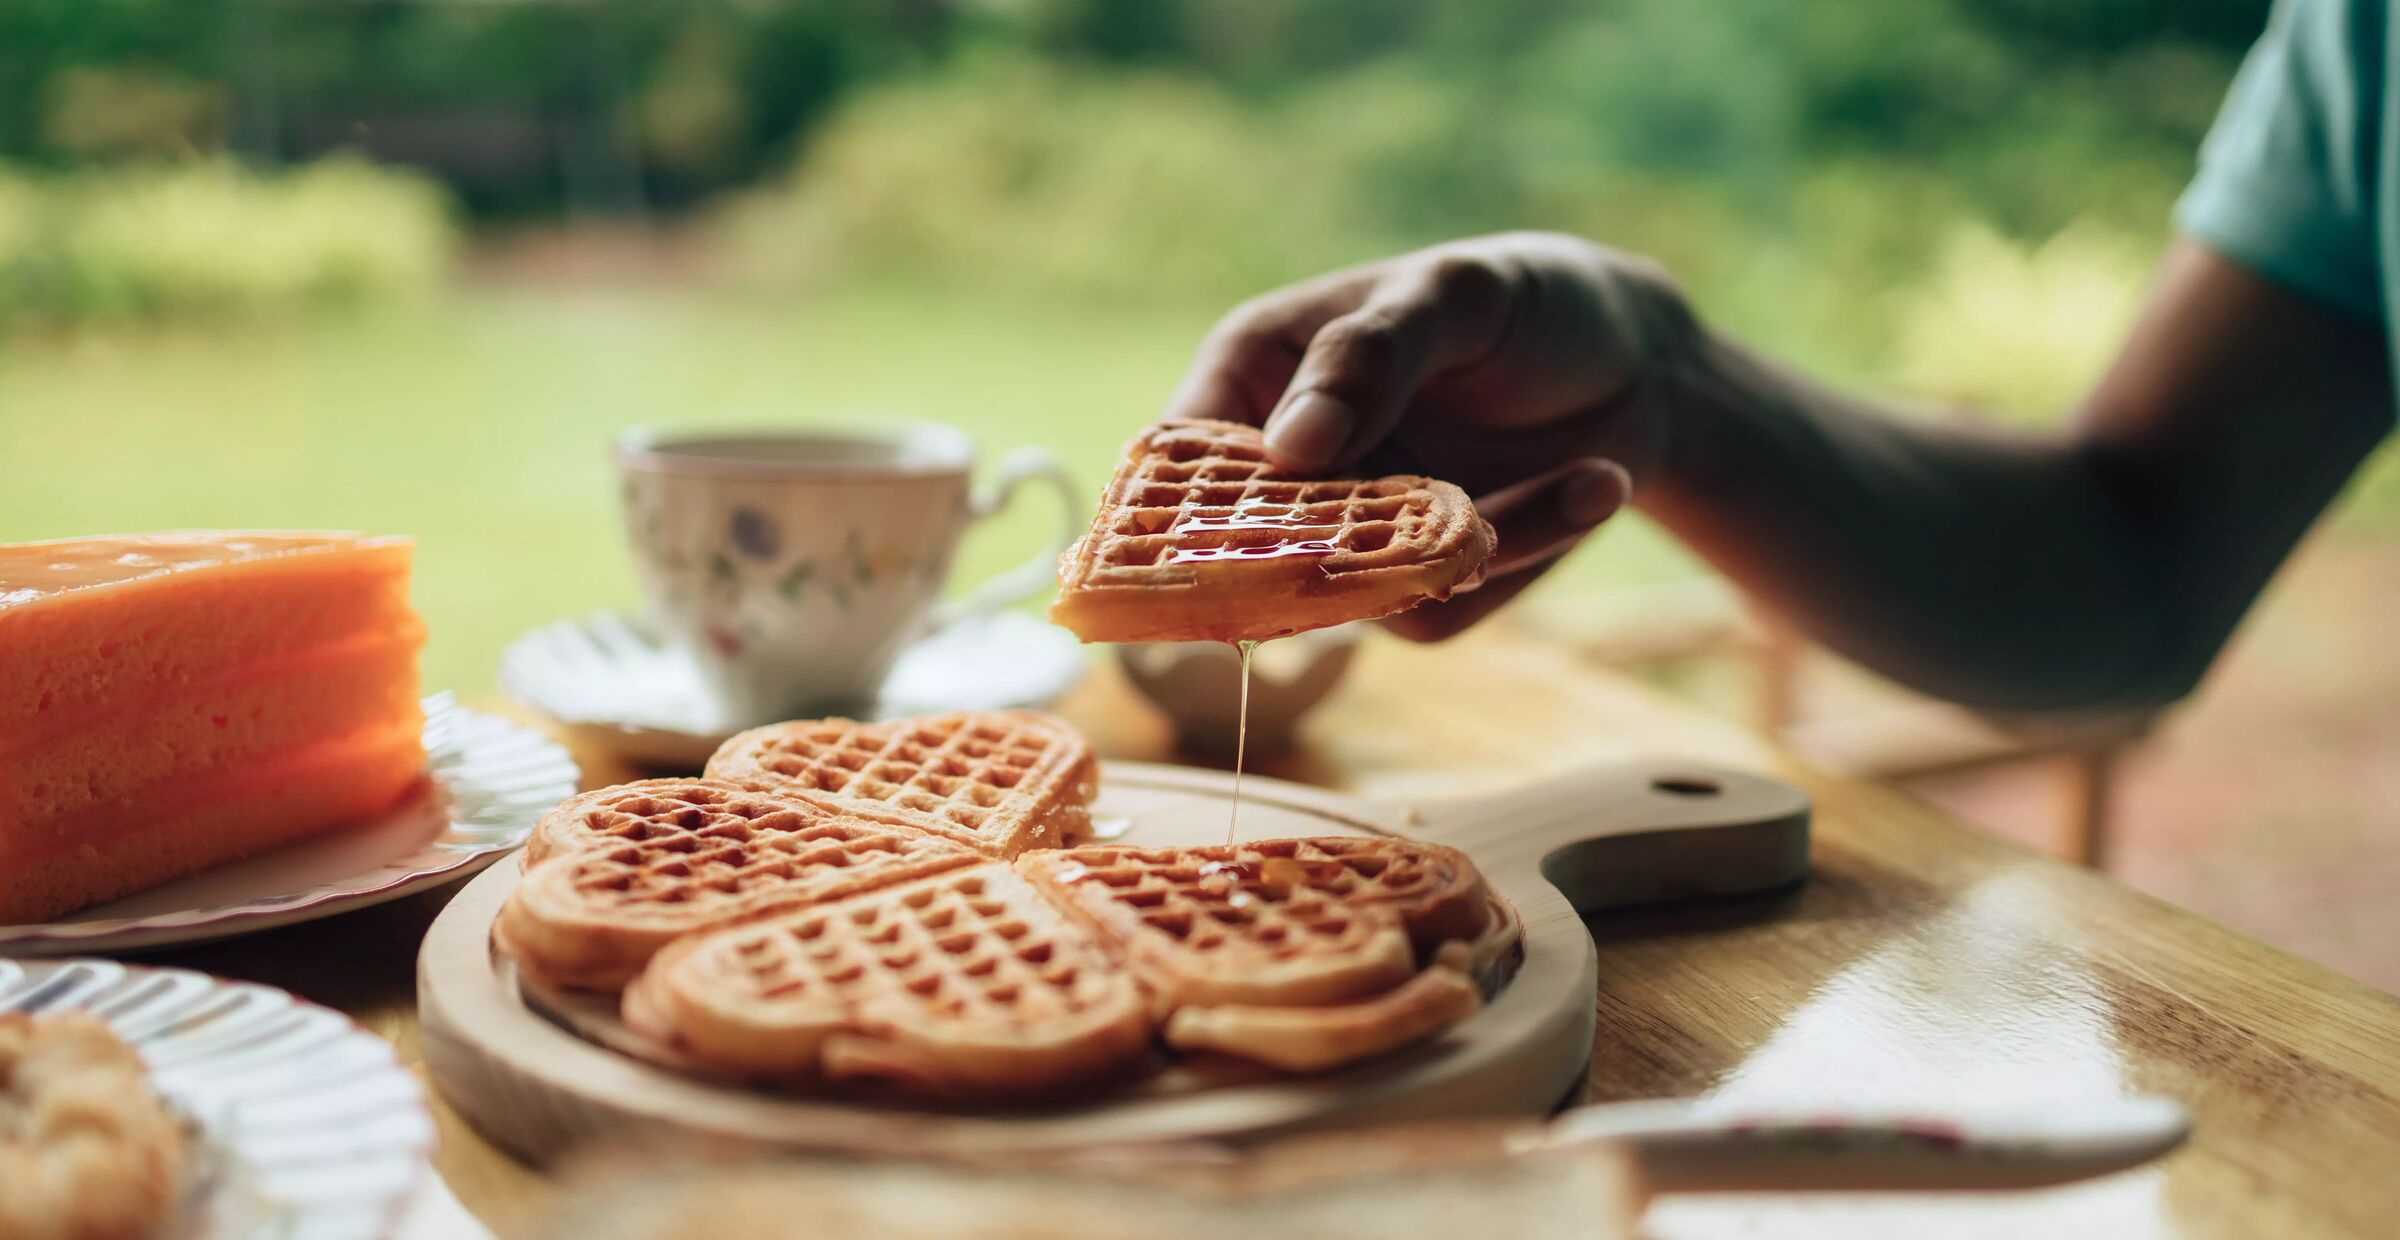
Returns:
<point x="1519" y="366"/>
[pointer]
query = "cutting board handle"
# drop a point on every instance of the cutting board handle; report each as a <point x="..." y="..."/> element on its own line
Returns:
<point x="1638" y="833"/>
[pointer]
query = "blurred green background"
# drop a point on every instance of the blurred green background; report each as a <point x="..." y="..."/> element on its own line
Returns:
<point x="405" y="266"/>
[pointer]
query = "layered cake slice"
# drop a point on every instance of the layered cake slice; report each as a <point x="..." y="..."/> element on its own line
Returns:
<point x="170" y="702"/>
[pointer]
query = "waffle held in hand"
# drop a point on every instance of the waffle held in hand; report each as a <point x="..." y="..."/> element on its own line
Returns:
<point x="1198" y="538"/>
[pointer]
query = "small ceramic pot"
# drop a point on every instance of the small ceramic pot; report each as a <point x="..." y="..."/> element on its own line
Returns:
<point x="1199" y="686"/>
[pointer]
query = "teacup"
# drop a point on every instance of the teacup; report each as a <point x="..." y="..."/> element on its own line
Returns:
<point x="796" y="565"/>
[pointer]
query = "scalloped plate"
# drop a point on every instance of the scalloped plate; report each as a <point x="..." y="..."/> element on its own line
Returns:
<point x="308" y="1127"/>
<point x="489" y="780"/>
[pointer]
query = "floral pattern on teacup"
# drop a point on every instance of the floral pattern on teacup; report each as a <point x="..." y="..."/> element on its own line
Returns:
<point x="754" y="534"/>
<point x="742" y="571"/>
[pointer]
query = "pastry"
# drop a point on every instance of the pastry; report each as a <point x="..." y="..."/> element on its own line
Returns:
<point x="87" y="1149"/>
<point x="170" y="702"/>
<point x="1199" y="539"/>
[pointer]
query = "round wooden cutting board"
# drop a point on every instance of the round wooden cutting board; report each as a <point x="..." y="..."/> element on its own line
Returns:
<point x="536" y="1077"/>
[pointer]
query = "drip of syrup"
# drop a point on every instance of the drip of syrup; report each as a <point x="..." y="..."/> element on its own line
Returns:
<point x="1220" y="877"/>
<point x="1283" y="872"/>
<point x="1227" y="878"/>
<point x="1241" y="742"/>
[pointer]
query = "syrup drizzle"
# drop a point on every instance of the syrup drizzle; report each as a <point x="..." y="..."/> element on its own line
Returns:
<point x="1251" y="515"/>
<point x="1254" y="514"/>
<point x="1283" y="872"/>
<point x="1241" y="742"/>
<point x="1267" y="551"/>
<point x="1232" y="878"/>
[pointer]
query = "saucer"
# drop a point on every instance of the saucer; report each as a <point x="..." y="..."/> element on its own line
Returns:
<point x="487" y="781"/>
<point x="614" y="683"/>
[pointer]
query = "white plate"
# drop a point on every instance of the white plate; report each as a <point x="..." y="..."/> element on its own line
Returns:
<point x="308" y="1127"/>
<point x="619" y="686"/>
<point x="490" y="780"/>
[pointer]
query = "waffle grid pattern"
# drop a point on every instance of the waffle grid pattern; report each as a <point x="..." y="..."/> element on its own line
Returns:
<point x="653" y="809"/>
<point x="976" y="950"/>
<point x="1258" y="909"/>
<point x="737" y="863"/>
<point x="1263" y="891"/>
<point x="1202" y="494"/>
<point x="977" y="774"/>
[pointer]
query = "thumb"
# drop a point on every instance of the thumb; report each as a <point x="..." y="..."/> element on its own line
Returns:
<point x="1361" y="370"/>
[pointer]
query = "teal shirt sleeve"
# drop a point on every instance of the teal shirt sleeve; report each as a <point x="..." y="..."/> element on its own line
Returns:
<point x="2288" y="183"/>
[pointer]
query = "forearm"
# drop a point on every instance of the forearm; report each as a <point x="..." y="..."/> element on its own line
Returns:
<point x="2101" y="566"/>
<point x="1994" y="569"/>
<point x="2096" y="567"/>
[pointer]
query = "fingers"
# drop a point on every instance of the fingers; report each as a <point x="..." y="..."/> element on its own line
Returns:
<point x="1362" y="368"/>
<point x="1537" y="522"/>
<point x="1244" y="364"/>
<point x="1539" y="518"/>
<point x="1433" y="622"/>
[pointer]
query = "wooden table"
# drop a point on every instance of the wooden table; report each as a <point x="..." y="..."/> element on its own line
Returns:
<point x="1925" y="963"/>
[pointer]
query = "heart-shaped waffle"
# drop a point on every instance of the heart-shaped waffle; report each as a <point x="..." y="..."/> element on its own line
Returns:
<point x="1001" y="782"/>
<point x="614" y="875"/>
<point x="1302" y="953"/>
<point x="963" y="983"/>
<point x="1199" y="539"/>
<point x="1290" y="921"/>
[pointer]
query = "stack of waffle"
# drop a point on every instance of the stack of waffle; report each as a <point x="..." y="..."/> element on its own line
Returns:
<point x="900" y="905"/>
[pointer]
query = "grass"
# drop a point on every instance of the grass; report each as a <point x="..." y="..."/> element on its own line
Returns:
<point x="479" y="422"/>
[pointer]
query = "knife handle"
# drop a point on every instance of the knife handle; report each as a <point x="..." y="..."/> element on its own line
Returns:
<point x="1686" y="1149"/>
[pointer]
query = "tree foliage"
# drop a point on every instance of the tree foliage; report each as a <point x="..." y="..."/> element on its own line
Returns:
<point x="684" y="98"/>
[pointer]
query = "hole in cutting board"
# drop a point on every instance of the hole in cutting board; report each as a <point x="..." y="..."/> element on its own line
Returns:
<point x="1686" y="786"/>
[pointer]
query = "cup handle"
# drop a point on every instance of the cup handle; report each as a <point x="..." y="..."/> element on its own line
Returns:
<point x="1025" y="465"/>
